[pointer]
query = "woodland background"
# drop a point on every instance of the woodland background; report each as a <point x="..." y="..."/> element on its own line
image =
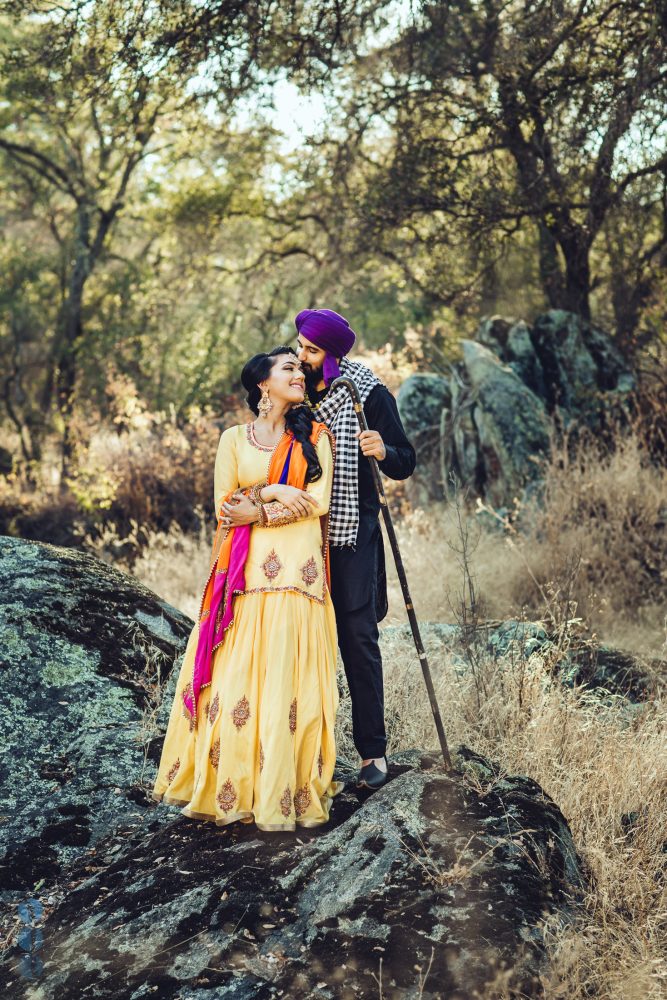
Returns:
<point x="179" y="178"/>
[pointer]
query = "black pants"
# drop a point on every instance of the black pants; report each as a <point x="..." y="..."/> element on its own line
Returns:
<point x="358" y="643"/>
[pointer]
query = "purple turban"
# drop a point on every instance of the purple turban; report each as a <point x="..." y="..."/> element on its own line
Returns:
<point x="331" y="332"/>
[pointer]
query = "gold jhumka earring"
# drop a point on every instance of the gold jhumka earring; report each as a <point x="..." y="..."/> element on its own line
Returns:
<point x="264" y="404"/>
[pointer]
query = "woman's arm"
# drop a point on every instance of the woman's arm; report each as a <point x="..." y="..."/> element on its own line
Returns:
<point x="275" y="513"/>
<point x="226" y="474"/>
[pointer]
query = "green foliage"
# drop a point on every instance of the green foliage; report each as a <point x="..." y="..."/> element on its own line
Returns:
<point x="474" y="158"/>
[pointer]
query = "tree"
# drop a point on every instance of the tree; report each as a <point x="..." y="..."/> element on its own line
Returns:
<point x="480" y="119"/>
<point x="97" y="100"/>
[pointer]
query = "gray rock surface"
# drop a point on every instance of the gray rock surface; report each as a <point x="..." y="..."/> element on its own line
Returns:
<point x="497" y="407"/>
<point x="511" y="422"/>
<point x="422" y="401"/>
<point x="602" y="669"/>
<point x="81" y="651"/>
<point x="446" y="873"/>
<point x="120" y="897"/>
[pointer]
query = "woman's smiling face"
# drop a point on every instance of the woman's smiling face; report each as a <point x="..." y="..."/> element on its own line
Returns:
<point x="286" y="383"/>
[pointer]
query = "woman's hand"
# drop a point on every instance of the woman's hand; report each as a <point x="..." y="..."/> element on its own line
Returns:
<point x="238" y="510"/>
<point x="299" y="502"/>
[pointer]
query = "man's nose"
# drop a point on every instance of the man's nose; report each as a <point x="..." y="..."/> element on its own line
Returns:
<point x="301" y="354"/>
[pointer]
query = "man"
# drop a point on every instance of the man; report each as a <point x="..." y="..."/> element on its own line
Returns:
<point x="358" y="579"/>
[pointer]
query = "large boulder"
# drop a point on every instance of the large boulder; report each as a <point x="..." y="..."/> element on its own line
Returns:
<point x="441" y="876"/>
<point x="422" y="401"/>
<point x="442" y="879"/>
<point x="511" y="421"/>
<point x="83" y="652"/>
<point x="569" y="363"/>
<point x="496" y="409"/>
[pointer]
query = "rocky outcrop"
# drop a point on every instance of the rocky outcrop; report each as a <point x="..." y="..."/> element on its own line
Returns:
<point x="498" y="406"/>
<point x="83" y="650"/>
<point x="511" y="423"/>
<point x="437" y="878"/>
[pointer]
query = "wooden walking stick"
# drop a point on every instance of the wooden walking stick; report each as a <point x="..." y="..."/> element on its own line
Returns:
<point x="347" y="383"/>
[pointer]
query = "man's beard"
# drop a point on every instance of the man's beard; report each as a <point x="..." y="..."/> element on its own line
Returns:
<point x="313" y="378"/>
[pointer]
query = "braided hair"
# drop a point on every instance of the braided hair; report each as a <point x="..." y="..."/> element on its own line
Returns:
<point x="298" y="419"/>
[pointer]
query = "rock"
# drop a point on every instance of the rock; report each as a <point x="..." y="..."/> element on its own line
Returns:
<point x="511" y="422"/>
<point x="81" y="650"/>
<point x="443" y="875"/>
<point x="580" y="369"/>
<point x="421" y="401"/>
<point x="519" y="377"/>
<point x="523" y="360"/>
<point x="466" y="463"/>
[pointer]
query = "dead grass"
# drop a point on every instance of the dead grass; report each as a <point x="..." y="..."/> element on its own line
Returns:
<point x="600" y="524"/>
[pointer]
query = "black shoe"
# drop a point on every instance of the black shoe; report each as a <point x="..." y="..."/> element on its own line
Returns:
<point x="371" y="777"/>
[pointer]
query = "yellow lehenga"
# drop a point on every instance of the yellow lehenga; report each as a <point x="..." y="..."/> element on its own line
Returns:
<point x="262" y="746"/>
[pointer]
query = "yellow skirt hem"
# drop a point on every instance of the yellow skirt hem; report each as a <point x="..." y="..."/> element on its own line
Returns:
<point x="246" y="816"/>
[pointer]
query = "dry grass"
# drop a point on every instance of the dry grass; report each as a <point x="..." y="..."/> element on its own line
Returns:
<point x="600" y="525"/>
<point x="603" y="762"/>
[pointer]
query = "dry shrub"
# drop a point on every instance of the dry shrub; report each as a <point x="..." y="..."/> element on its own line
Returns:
<point x="128" y="485"/>
<point x="609" y="511"/>
<point x="595" y="543"/>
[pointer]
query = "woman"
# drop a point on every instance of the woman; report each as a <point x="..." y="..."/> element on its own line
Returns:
<point x="251" y="730"/>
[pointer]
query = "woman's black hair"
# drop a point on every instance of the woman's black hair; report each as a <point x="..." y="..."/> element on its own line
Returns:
<point x="298" y="419"/>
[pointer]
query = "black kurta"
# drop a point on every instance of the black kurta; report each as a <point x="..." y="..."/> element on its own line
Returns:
<point x="359" y="582"/>
<point x="356" y="572"/>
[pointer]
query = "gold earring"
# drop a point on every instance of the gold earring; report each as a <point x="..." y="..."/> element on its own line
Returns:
<point x="264" y="404"/>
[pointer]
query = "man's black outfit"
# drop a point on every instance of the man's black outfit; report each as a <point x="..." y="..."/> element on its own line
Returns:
<point x="358" y="577"/>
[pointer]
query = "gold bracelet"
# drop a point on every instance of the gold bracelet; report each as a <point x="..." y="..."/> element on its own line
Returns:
<point x="254" y="494"/>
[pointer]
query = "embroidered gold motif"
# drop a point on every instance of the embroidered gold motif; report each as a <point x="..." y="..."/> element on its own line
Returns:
<point x="272" y="565"/>
<point x="302" y="800"/>
<point x="261" y="757"/>
<point x="213" y="710"/>
<point x="292" y="717"/>
<point x="206" y="708"/>
<point x="214" y="753"/>
<point x="241" y="712"/>
<point x="320" y="763"/>
<point x="275" y="514"/>
<point x="173" y="770"/>
<point x="187" y="690"/>
<point x="226" y="797"/>
<point x="286" y="802"/>
<point x="309" y="572"/>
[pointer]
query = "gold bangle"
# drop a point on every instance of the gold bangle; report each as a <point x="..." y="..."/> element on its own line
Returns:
<point x="254" y="494"/>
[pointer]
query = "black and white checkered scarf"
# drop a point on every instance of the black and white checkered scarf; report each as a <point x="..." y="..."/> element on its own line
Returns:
<point x="336" y="410"/>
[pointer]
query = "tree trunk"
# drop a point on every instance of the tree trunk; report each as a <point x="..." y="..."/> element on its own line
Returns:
<point x="68" y="338"/>
<point x="551" y="271"/>
<point x="577" y="291"/>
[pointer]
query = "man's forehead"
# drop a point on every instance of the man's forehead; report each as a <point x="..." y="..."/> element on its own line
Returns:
<point x="305" y="342"/>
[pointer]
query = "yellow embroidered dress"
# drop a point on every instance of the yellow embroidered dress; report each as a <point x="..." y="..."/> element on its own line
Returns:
<point x="263" y="745"/>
